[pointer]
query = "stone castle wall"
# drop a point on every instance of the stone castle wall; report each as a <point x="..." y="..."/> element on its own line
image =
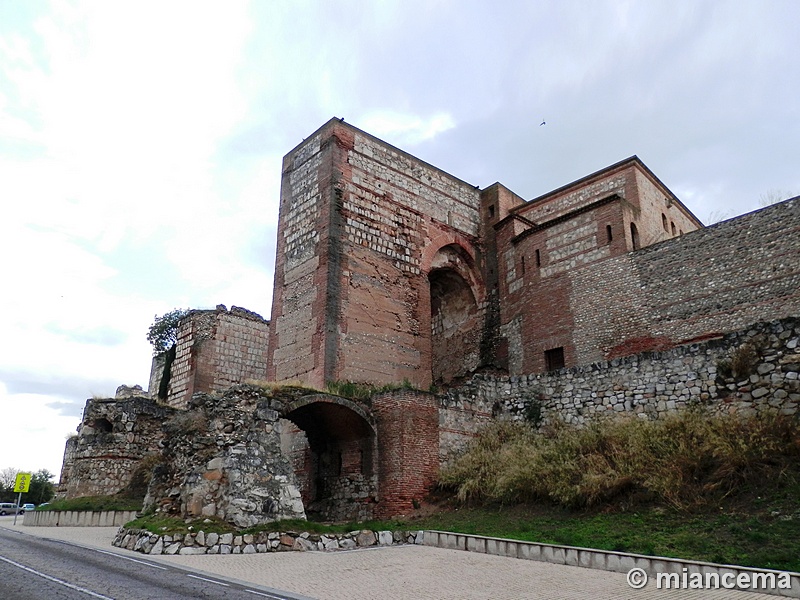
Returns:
<point x="703" y="283"/>
<point x="707" y="282"/>
<point x="222" y="458"/>
<point x="649" y="384"/>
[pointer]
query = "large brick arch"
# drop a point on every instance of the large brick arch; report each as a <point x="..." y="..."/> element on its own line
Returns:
<point x="456" y="295"/>
<point x="351" y="405"/>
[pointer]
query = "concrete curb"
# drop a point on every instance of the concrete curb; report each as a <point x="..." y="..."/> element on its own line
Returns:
<point x="78" y="518"/>
<point x="606" y="560"/>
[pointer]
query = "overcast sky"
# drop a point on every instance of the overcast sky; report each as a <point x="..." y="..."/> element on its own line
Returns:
<point x="141" y="144"/>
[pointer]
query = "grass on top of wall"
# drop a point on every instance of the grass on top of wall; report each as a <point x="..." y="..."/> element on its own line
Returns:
<point x="684" y="461"/>
<point x="93" y="503"/>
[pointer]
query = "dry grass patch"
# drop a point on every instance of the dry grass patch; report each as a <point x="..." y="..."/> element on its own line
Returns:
<point x="685" y="460"/>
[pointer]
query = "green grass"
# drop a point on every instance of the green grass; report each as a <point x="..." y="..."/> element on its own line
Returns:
<point x="726" y="537"/>
<point x="768" y="538"/>
<point x="716" y="489"/>
<point x="94" y="503"/>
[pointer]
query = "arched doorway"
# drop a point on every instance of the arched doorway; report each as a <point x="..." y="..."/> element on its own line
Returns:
<point x="455" y="322"/>
<point x="330" y="442"/>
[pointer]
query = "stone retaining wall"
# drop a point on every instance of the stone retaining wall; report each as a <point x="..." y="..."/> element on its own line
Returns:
<point x="200" y="542"/>
<point x="649" y="385"/>
<point x="606" y="560"/>
<point x="78" y="518"/>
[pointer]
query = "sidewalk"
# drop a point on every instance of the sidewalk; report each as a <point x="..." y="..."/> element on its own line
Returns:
<point x="402" y="572"/>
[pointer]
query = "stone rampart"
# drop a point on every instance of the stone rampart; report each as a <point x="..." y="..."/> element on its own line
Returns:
<point x="215" y="350"/>
<point x="755" y="369"/>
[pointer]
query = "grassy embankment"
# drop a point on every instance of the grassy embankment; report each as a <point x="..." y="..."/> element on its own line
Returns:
<point x="719" y="489"/>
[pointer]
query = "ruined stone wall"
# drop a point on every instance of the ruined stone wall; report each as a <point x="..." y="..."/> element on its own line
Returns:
<point x="715" y="373"/>
<point x="115" y="435"/>
<point x="360" y="222"/>
<point x="222" y="458"/>
<point x="216" y="349"/>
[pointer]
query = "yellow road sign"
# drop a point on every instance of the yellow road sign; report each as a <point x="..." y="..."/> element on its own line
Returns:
<point x="22" y="483"/>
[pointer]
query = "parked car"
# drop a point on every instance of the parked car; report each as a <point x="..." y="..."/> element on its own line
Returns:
<point x="27" y="507"/>
<point x="6" y="508"/>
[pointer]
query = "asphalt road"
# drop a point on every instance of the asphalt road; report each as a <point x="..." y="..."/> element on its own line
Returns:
<point x="34" y="568"/>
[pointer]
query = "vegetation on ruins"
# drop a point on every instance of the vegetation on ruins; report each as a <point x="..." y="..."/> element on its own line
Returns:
<point x="686" y="460"/>
<point x="163" y="333"/>
<point x="363" y="391"/>
<point x="94" y="503"/>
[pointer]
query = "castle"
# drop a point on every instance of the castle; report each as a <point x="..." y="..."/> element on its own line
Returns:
<point x="390" y="270"/>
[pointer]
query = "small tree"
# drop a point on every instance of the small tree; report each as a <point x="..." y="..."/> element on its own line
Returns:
<point x="41" y="489"/>
<point x="163" y="333"/>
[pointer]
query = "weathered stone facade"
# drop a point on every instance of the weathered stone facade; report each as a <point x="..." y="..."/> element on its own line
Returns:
<point x="230" y="455"/>
<point x="362" y="226"/>
<point x="222" y="458"/>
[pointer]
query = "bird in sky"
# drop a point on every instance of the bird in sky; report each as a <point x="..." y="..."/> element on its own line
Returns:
<point x="542" y="123"/>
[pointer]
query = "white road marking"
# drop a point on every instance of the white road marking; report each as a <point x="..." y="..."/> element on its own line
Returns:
<point x="59" y="581"/>
<point x="209" y="580"/>
<point x="141" y="562"/>
<point x="266" y="595"/>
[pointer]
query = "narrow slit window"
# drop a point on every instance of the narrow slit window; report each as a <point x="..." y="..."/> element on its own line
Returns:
<point x="522" y="264"/>
<point x="609" y="235"/>
<point x="634" y="236"/>
<point x="674" y="229"/>
<point x="664" y="222"/>
<point x="538" y="258"/>
<point x="491" y="211"/>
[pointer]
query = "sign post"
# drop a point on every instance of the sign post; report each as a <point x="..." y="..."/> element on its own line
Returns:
<point x="21" y="485"/>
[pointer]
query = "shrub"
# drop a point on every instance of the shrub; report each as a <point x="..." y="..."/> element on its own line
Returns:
<point x="743" y="360"/>
<point x="685" y="460"/>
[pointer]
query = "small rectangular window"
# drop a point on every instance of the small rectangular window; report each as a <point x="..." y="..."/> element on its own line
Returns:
<point x="538" y="259"/>
<point x="608" y="233"/>
<point x="554" y="359"/>
<point x="522" y="265"/>
<point x="491" y="211"/>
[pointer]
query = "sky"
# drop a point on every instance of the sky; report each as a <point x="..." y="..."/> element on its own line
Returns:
<point x="141" y="144"/>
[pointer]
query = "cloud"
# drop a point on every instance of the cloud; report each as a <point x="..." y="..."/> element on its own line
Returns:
<point x="406" y="129"/>
<point x="140" y="157"/>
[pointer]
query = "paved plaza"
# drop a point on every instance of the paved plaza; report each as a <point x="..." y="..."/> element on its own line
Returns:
<point x="400" y="572"/>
